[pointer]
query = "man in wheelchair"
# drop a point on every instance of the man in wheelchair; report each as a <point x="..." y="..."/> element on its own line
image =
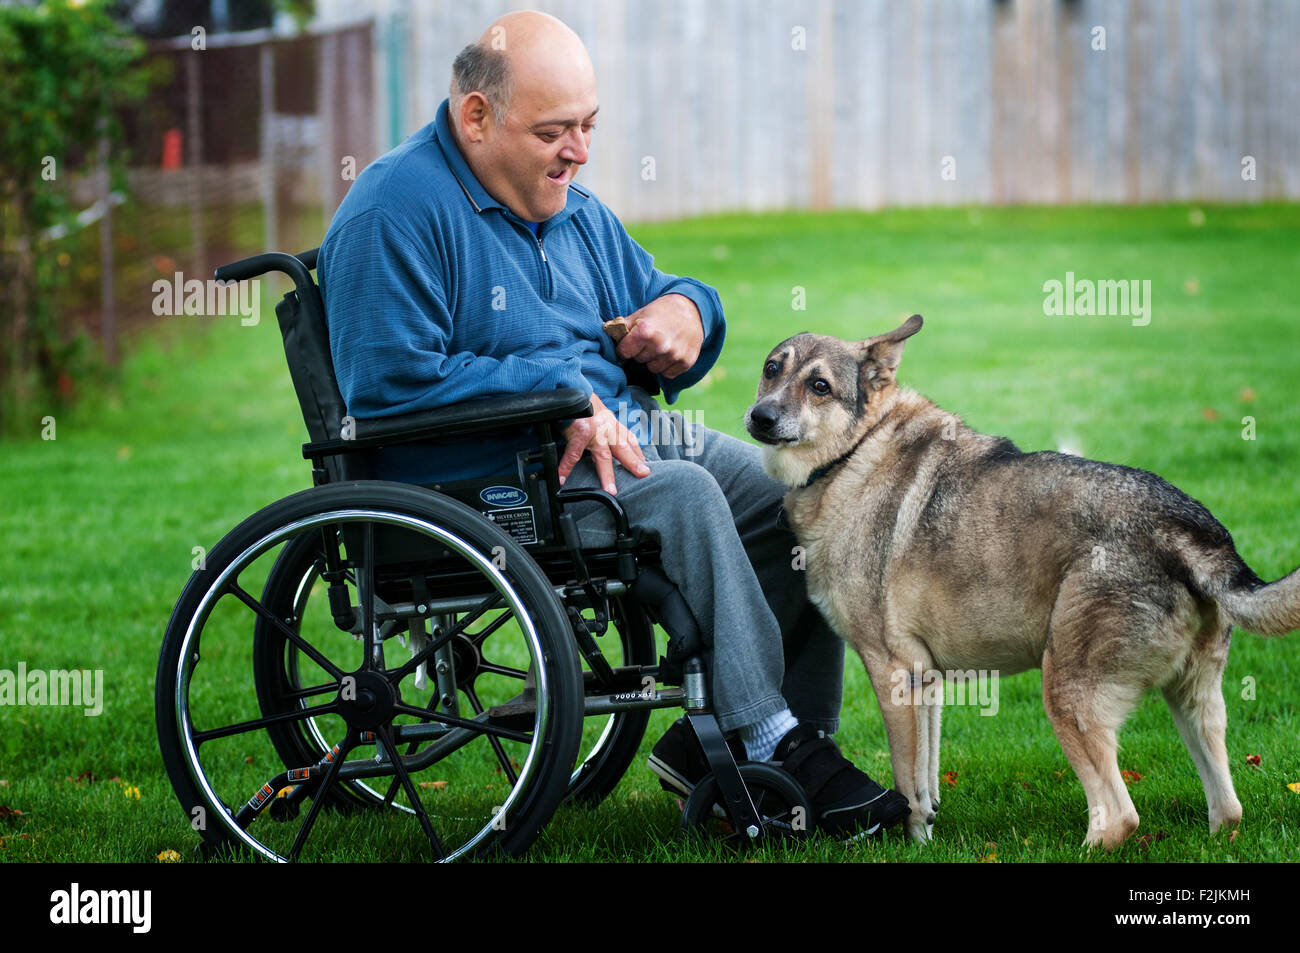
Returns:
<point x="467" y="263"/>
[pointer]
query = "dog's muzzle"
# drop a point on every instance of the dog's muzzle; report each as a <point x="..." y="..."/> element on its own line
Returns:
<point x="761" y="422"/>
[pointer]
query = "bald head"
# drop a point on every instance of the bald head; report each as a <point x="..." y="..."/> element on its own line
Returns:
<point x="522" y="110"/>
<point x="524" y="50"/>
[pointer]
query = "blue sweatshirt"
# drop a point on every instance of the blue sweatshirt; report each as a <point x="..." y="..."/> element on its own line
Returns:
<point x="436" y="293"/>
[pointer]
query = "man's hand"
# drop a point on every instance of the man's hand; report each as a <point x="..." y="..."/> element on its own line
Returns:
<point x="666" y="335"/>
<point x="607" y="439"/>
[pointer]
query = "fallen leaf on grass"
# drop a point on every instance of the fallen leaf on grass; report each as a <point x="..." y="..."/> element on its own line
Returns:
<point x="7" y="812"/>
<point x="1247" y="394"/>
<point x="1130" y="777"/>
<point x="950" y="778"/>
<point x="1253" y="760"/>
<point x="169" y="857"/>
<point x="436" y="785"/>
<point x="248" y="760"/>
<point x="1209" y="413"/>
<point x="1146" y="840"/>
<point x="990" y="858"/>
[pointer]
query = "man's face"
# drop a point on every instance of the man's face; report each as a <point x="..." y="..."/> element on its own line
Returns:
<point x="528" y="161"/>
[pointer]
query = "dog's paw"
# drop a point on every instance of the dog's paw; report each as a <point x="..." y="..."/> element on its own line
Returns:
<point x="920" y="828"/>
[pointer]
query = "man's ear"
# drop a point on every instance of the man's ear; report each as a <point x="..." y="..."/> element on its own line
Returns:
<point x="879" y="356"/>
<point x="475" y="115"/>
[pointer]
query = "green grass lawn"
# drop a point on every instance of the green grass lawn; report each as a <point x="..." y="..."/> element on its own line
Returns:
<point x="99" y="526"/>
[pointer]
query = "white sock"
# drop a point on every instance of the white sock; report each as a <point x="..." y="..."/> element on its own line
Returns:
<point x="761" y="739"/>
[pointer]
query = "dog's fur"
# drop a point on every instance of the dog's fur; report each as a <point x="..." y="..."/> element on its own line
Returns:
<point x="930" y="545"/>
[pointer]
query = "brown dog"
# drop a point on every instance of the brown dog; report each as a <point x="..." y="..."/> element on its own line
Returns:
<point x="931" y="548"/>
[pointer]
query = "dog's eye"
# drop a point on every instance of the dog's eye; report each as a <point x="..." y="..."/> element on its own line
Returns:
<point x="820" y="386"/>
<point x="770" y="369"/>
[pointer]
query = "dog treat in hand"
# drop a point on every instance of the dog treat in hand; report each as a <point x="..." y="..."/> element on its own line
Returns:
<point x="618" y="328"/>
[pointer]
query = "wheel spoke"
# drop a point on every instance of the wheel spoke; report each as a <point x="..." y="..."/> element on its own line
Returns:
<point x="483" y="727"/>
<point x="297" y="694"/>
<point x="312" y="652"/>
<point x="318" y="797"/>
<point x="240" y="727"/>
<point x="387" y="741"/>
<point x="496" y="745"/>
<point x="478" y="637"/>
<point x="486" y="666"/>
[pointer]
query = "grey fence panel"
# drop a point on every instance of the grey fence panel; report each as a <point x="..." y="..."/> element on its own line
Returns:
<point x="736" y="116"/>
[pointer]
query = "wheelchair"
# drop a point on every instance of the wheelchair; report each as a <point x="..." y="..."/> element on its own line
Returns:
<point x="434" y="669"/>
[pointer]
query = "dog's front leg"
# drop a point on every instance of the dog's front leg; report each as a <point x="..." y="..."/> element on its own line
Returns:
<point x="932" y="773"/>
<point x="907" y="705"/>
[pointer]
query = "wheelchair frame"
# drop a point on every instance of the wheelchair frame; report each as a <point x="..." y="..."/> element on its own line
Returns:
<point x="397" y="560"/>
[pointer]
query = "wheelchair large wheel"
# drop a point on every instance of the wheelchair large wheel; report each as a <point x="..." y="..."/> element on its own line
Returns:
<point x="610" y="743"/>
<point x="334" y="718"/>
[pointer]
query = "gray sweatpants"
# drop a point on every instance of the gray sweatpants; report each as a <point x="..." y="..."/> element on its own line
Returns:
<point x="713" y="509"/>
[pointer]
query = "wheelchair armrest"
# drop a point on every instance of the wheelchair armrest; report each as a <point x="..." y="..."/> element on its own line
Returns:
<point x="458" y="420"/>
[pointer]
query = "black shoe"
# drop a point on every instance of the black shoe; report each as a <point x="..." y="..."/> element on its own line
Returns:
<point x="846" y="803"/>
<point x="679" y="761"/>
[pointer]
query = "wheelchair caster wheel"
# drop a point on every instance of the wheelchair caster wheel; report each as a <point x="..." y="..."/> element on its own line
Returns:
<point x="779" y="799"/>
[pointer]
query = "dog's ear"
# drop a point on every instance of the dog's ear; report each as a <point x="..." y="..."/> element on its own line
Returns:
<point x="878" y="357"/>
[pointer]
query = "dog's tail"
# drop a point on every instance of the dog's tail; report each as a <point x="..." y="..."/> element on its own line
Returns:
<point x="1259" y="607"/>
<point x="1272" y="609"/>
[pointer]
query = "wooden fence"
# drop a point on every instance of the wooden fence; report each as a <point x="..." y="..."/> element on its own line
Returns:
<point x="758" y="104"/>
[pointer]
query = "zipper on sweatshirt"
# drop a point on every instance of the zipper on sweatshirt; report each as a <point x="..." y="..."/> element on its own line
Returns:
<point x="548" y="285"/>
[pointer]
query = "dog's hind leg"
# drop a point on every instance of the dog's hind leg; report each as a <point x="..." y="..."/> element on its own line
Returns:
<point x="1195" y="699"/>
<point x="1086" y="719"/>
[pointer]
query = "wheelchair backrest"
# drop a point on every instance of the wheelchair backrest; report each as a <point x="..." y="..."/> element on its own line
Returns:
<point x="305" y="334"/>
<point x="307" y="349"/>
